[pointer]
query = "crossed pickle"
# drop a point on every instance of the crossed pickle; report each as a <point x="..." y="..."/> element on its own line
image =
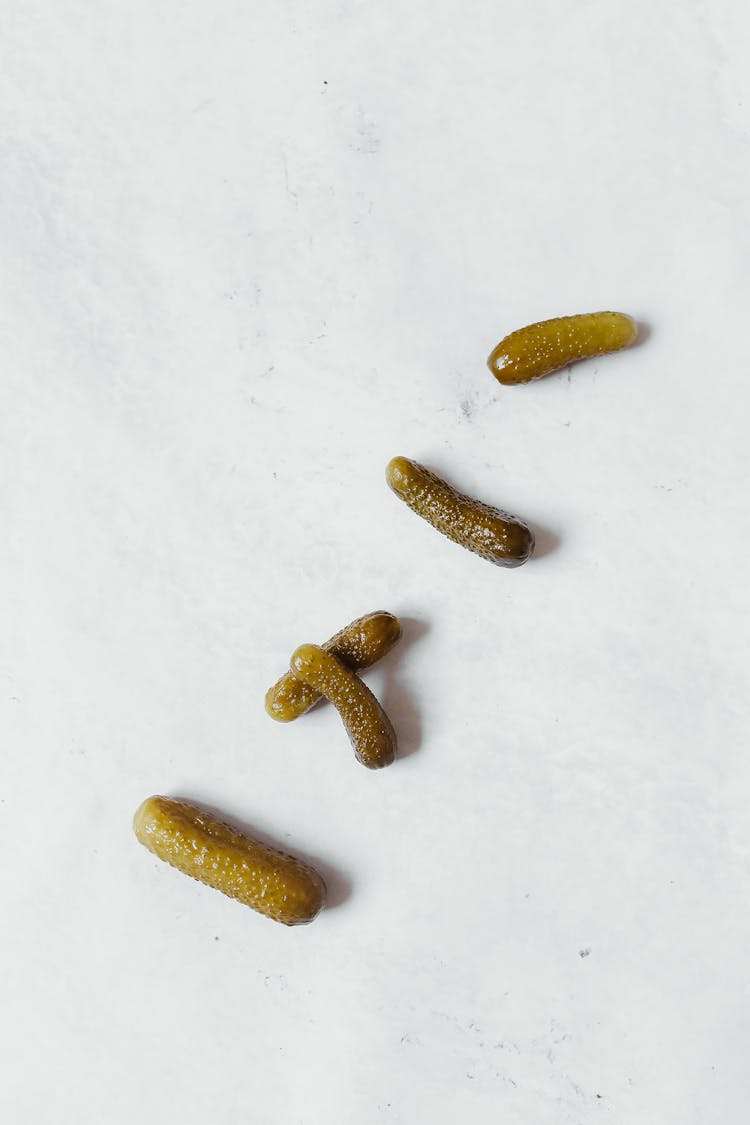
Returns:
<point x="544" y="347"/>
<point x="357" y="645"/>
<point x="269" y="881"/>
<point x="366" y="723"/>
<point x="488" y="532"/>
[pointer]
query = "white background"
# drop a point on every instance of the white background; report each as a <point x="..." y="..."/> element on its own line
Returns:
<point x="250" y="251"/>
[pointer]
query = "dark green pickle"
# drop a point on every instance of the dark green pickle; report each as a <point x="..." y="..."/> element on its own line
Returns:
<point x="357" y="645"/>
<point x="366" y="723"/>
<point x="488" y="532"/>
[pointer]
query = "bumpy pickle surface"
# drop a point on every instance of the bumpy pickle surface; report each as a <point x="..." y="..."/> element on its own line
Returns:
<point x="269" y="881"/>
<point x="358" y="645"/>
<point x="366" y="723"/>
<point x="488" y="532"/>
<point x="544" y="347"/>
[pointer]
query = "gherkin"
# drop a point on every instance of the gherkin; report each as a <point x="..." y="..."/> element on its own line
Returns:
<point x="365" y="721"/>
<point x="207" y="849"/>
<point x="488" y="532"/>
<point x="544" y="347"/>
<point x="358" y="645"/>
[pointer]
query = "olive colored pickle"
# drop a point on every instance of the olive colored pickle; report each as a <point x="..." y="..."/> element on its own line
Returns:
<point x="357" y="645"/>
<point x="366" y="723"/>
<point x="488" y="532"/>
<point x="269" y="881"/>
<point x="539" y="349"/>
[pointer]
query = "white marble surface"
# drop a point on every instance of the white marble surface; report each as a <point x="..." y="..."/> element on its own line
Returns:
<point x="249" y="252"/>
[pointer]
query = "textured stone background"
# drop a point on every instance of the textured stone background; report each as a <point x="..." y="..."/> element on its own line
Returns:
<point x="250" y="252"/>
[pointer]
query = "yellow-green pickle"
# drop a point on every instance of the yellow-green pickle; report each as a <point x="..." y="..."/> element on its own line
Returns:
<point x="357" y="645"/>
<point x="207" y="849"/>
<point x="488" y="532"/>
<point x="544" y="347"/>
<point x="366" y="723"/>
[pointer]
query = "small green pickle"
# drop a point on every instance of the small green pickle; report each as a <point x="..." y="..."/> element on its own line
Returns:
<point x="544" y="347"/>
<point x="196" y="843"/>
<point x="366" y="723"/>
<point x="488" y="532"/>
<point x="357" y="645"/>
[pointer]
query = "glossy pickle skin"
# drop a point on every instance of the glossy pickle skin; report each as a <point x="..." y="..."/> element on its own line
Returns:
<point x="271" y="882"/>
<point x="366" y="723"/>
<point x="488" y="532"/>
<point x="357" y="645"/>
<point x="544" y="347"/>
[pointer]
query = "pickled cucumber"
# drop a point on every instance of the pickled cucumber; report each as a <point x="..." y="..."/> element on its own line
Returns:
<point x="269" y="881"/>
<point x="544" y="347"/>
<point x="488" y="532"/>
<point x="366" y="723"/>
<point x="357" y="645"/>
